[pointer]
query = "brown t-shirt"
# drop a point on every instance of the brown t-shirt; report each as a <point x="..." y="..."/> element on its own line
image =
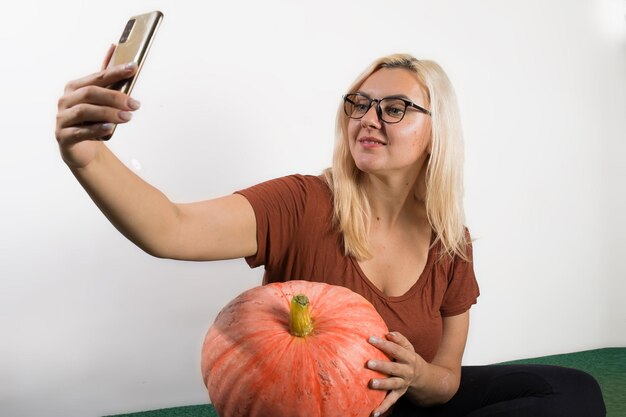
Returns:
<point x="296" y="240"/>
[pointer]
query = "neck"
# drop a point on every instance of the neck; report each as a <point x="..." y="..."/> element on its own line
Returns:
<point x="392" y="197"/>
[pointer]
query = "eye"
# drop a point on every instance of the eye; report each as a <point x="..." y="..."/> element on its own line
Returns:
<point x="394" y="111"/>
<point x="360" y="104"/>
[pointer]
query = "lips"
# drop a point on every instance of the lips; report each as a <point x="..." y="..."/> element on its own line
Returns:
<point x="370" y="140"/>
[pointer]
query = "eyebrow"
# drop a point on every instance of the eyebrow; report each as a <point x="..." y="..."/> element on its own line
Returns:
<point x="402" y="96"/>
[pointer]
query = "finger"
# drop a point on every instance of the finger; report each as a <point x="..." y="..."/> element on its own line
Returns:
<point x="390" y="368"/>
<point x="400" y="339"/>
<point x="388" y="384"/>
<point x="389" y="400"/>
<point x="86" y="132"/>
<point x="104" y="78"/>
<point x="92" y="94"/>
<point x="392" y="349"/>
<point x="107" y="57"/>
<point x="88" y="113"/>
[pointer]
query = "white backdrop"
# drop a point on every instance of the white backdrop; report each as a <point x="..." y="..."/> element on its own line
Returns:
<point x="90" y="325"/>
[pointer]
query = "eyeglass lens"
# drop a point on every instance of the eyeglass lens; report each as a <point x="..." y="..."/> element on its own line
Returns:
<point x="392" y="110"/>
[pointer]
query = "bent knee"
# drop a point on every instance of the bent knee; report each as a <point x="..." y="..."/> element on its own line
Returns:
<point x="581" y="379"/>
<point x="579" y="388"/>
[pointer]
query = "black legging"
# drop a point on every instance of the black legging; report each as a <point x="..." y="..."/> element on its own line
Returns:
<point x="517" y="391"/>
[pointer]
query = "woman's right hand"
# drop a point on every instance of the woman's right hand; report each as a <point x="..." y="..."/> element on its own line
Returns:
<point x="88" y="110"/>
<point x="221" y="228"/>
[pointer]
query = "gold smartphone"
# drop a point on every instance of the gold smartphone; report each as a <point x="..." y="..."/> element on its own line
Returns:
<point x="133" y="46"/>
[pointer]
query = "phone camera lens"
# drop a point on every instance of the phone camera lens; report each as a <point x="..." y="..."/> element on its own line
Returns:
<point x="127" y="30"/>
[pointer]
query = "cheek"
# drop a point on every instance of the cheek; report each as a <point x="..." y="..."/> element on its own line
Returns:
<point x="353" y="129"/>
<point x="409" y="137"/>
<point x="421" y="137"/>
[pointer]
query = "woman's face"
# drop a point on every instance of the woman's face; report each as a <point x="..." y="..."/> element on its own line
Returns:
<point x="389" y="149"/>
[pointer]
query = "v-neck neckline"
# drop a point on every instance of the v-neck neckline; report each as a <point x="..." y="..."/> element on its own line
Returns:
<point x="420" y="280"/>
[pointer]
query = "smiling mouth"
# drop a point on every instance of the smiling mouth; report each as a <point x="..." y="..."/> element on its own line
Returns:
<point x="371" y="141"/>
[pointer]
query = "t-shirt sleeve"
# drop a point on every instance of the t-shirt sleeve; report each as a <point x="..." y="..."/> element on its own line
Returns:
<point x="462" y="291"/>
<point x="278" y="207"/>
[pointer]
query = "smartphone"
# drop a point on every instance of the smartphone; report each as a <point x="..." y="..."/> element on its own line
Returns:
<point x="133" y="46"/>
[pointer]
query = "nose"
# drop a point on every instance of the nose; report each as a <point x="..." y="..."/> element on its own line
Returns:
<point x="370" y="118"/>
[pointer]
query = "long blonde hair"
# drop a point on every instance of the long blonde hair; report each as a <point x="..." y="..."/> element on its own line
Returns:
<point x="444" y="172"/>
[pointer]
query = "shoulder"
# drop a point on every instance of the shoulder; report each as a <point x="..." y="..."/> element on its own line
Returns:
<point x="289" y="188"/>
<point x="302" y="183"/>
<point x="455" y="244"/>
<point x="297" y="180"/>
<point x="308" y="181"/>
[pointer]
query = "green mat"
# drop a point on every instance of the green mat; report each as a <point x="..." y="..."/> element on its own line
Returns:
<point x="205" y="410"/>
<point x="607" y="365"/>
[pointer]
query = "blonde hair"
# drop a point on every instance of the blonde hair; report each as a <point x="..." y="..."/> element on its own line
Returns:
<point x="444" y="172"/>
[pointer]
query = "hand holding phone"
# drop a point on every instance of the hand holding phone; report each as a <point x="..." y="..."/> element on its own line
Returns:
<point x="133" y="46"/>
<point x="92" y="106"/>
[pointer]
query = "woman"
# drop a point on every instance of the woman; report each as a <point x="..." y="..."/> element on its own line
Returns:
<point x="385" y="221"/>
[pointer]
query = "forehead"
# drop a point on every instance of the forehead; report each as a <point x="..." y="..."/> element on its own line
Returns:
<point x="391" y="82"/>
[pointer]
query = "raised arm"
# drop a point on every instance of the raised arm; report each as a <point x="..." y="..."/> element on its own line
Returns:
<point x="222" y="228"/>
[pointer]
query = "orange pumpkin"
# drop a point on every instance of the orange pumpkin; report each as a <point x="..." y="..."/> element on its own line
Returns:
<point x="293" y="349"/>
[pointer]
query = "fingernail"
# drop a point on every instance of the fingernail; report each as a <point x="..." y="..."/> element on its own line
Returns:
<point x="125" y="115"/>
<point x="373" y="339"/>
<point x="133" y="104"/>
<point x="371" y="364"/>
<point x="106" y="126"/>
<point x="130" y="66"/>
<point x="376" y="414"/>
<point x="375" y="383"/>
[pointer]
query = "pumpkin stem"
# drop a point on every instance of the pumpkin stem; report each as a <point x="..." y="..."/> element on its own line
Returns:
<point x="300" y="323"/>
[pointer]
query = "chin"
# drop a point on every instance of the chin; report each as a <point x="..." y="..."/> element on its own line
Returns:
<point x="365" y="162"/>
<point x="365" y="165"/>
<point x="369" y="169"/>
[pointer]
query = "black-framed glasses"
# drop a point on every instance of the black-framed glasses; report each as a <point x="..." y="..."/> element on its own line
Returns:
<point x="389" y="109"/>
